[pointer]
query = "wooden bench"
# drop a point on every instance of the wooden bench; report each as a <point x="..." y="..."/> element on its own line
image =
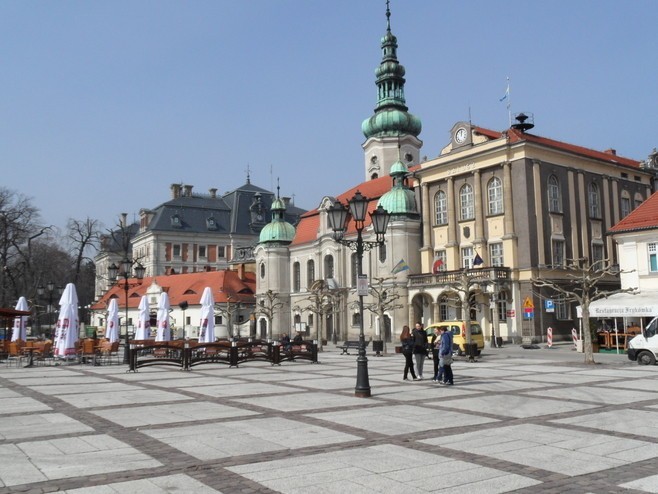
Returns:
<point x="351" y="345"/>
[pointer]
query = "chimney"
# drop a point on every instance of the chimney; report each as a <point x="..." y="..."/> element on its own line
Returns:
<point x="286" y="201"/>
<point x="187" y="190"/>
<point x="123" y="221"/>
<point x="213" y="193"/>
<point x="241" y="271"/>
<point x="175" y="191"/>
<point x="611" y="151"/>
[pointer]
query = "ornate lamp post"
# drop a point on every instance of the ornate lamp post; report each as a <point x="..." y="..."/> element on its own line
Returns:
<point x="51" y="290"/>
<point x="338" y="216"/>
<point x="124" y="271"/>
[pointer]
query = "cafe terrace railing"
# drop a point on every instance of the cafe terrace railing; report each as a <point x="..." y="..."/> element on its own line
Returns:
<point x="186" y="355"/>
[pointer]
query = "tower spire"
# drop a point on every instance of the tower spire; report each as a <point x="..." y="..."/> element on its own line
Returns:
<point x="388" y="16"/>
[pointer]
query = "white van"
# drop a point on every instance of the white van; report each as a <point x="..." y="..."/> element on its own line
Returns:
<point x="644" y="347"/>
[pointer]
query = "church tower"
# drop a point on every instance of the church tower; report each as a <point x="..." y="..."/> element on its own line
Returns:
<point x="392" y="132"/>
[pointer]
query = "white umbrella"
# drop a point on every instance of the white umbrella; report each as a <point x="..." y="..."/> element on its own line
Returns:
<point x="67" y="323"/>
<point x="112" y="328"/>
<point x="143" y="320"/>
<point x="207" y="325"/>
<point x="20" y="322"/>
<point x="164" y="331"/>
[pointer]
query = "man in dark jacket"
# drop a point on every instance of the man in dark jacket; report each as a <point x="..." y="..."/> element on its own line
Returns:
<point x="420" y="348"/>
<point x="445" y="357"/>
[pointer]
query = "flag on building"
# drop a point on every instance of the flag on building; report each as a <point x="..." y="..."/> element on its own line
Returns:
<point x="477" y="260"/>
<point x="399" y="267"/>
<point x="506" y="95"/>
<point x="436" y="266"/>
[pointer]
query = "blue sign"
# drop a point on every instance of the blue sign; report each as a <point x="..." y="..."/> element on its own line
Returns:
<point x="549" y="306"/>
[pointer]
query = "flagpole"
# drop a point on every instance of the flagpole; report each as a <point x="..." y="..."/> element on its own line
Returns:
<point x="509" y="103"/>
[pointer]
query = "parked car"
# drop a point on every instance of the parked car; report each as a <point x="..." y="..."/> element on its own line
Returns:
<point x="458" y="330"/>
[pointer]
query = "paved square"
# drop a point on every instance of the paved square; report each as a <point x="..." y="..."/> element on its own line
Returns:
<point x="113" y="398"/>
<point x="245" y="437"/>
<point x="39" y="425"/>
<point x="156" y="485"/>
<point x="384" y="469"/>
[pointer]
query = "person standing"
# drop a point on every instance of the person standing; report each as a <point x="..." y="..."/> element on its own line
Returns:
<point x="445" y="357"/>
<point x="420" y="348"/>
<point x="407" y="350"/>
<point x="435" y="343"/>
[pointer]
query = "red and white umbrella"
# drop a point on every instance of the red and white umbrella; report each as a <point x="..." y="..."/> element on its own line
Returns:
<point x="143" y="320"/>
<point x="68" y="324"/>
<point x="20" y="322"/>
<point x="164" y="330"/>
<point x="112" y="328"/>
<point x="207" y="324"/>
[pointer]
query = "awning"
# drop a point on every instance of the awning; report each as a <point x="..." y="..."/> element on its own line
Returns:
<point x="640" y="304"/>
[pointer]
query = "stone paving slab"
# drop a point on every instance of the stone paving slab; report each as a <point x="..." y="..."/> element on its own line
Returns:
<point x="384" y="469"/>
<point x="632" y="421"/>
<point x="156" y="485"/>
<point x="244" y="437"/>
<point x="77" y="388"/>
<point x="303" y="401"/>
<point x="39" y="425"/>
<point x="22" y="404"/>
<point x="243" y="389"/>
<point x="196" y="411"/>
<point x="596" y="394"/>
<point x="113" y="398"/>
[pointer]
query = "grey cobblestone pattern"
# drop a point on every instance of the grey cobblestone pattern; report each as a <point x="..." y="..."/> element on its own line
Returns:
<point x="540" y="383"/>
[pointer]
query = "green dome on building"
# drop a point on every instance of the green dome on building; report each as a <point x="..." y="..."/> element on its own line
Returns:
<point x="278" y="230"/>
<point x="400" y="200"/>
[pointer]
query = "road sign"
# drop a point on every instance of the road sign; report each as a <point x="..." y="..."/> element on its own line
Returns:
<point x="549" y="306"/>
<point x="527" y="303"/>
<point x="528" y="313"/>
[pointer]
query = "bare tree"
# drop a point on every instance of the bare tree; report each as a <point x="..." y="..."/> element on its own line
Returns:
<point x="268" y="305"/>
<point x="83" y="236"/>
<point x="582" y="282"/>
<point x="320" y="303"/>
<point x="385" y="299"/>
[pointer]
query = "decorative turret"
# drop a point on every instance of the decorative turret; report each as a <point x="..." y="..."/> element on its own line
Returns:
<point x="400" y="200"/>
<point x="278" y="231"/>
<point x="392" y="132"/>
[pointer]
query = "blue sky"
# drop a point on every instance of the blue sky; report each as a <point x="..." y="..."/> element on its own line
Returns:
<point x="104" y="104"/>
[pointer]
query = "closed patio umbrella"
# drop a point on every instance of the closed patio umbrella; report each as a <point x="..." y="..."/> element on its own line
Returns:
<point x="20" y="322"/>
<point x="164" y="331"/>
<point x="207" y="324"/>
<point x="112" y="328"/>
<point x="143" y="320"/>
<point x="68" y="328"/>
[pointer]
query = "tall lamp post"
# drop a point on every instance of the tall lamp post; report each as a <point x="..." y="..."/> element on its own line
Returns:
<point x="51" y="290"/>
<point x="338" y="216"/>
<point x="126" y="268"/>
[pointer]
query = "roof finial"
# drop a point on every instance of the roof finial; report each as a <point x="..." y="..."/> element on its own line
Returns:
<point x="277" y="188"/>
<point x="388" y="16"/>
<point x="248" y="177"/>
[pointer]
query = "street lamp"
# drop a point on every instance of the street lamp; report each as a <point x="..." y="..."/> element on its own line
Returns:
<point x="51" y="290"/>
<point x="124" y="271"/>
<point x="338" y="218"/>
<point x="183" y="306"/>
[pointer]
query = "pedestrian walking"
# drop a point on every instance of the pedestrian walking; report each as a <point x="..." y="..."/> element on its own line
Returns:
<point x="435" y="344"/>
<point x="445" y="357"/>
<point x="420" y="348"/>
<point x="407" y="350"/>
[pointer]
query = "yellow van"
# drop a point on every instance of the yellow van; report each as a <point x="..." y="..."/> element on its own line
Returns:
<point x="458" y="330"/>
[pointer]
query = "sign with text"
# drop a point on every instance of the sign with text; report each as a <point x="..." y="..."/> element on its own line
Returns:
<point x="362" y="285"/>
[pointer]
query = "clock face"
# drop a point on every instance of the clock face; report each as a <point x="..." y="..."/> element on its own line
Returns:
<point x="460" y="135"/>
<point x="259" y="217"/>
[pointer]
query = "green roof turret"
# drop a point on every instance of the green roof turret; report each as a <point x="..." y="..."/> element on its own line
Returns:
<point x="278" y="230"/>
<point x="400" y="200"/>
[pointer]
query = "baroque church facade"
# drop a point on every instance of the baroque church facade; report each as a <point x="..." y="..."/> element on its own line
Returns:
<point x="469" y="229"/>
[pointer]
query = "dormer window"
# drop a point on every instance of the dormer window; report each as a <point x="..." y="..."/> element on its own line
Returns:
<point x="176" y="221"/>
<point x="211" y="223"/>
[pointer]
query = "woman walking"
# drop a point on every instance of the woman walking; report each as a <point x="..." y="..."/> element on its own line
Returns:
<point x="407" y="350"/>
<point x="420" y="348"/>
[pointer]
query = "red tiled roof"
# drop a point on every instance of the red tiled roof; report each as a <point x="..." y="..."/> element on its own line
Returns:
<point x="307" y="228"/>
<point x="186" y="287"/>
<point x="644" y="217"/>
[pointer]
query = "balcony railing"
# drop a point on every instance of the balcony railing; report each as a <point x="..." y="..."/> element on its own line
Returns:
<point x="474" y="275"/>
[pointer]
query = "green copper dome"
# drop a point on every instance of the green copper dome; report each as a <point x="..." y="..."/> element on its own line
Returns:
<point x="278" y="230"/>
<point x="400" y="200"/>
<point x="391" y="118"/>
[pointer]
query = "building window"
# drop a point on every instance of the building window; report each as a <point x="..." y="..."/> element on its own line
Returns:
<point x="310" y="320"/>
<point x="218" y="320"/>
<point x="554" y="196"/>
<point x="466" y="203"/>
<point x="625" y="204"/>
<point x="443" y="308"/>
<point x="638" y="200"/>
<point x="177" y="250"/>
<point x="310" y="273"/>
<point x="495" y="195"/>
<point x="597" y="254"/>
<point x="653" y="256"/>
<point x="496" y="254"/>
<point x="355" y="269"/>
<point x="502" y="306"/>
<point x="356" y="319"/>
<point x="296" y="275"/>
<point x="561" y="309"/>
<point x="439" y="263"/>
<point x="558" y="252"/>
<point x="467" y="257"/>
<point x="262" y="270"/>
<point x="328" y="267"/>
<point x="594" y="201"/>
<point x="203" y="252"/>
<point x="221" y="251"/>
<point x="441" y="208"/>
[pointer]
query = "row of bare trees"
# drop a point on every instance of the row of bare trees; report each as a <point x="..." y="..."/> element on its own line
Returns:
<point x="32" y="254"/>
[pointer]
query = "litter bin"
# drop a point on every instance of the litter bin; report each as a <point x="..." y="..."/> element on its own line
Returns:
<point x="378" y="346"/>
<point x="471" y="350"/>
